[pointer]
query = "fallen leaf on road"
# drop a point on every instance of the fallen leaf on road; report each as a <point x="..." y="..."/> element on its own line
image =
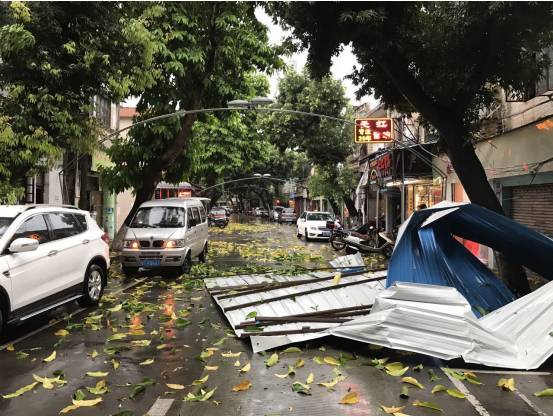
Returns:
<point x="21" y="390"/>
<point x="93" y="354"/>
<point x="201" y="396"/>
<point x="438" y="388"/>
<point x="146" y="362"/>
<point x="455" y="393"/>
<point x="97" y="374"/>
<point x="337" y="278"/>
<point x="301" y="388"/>
<point x="419" y="367"/>
<point x="404" y="392"/>
<point x="115" y="309"/>
<point x="291" y="349"/>
<point x="548" y="392"/>
<point x="205" y="354"/>
<point x="237" y="364"/>
<point x="427" y="404"/>
<point x="115" y="363"/>
<point x="48" y="383"/>
<point x="141" y="343"/>
<point x="162" y="346"/>
<point x="175" y="386"/>
<point x="200" y="381"/>
<point x="310" y="378"/>
<point x="116" y="336"/>
<point x="412" y="381"/>
<point x="350" y="398"/>
<point x="87" y="403"/>
<point x="318" y="360"/>
<point x="229" y="354"/>
<point x="391" y="410"/>
<point x="299" y="363"/>
<point x="506" y="384"/>
<point x="211" y="368"/>
<point x="246" y="368"/>
<point x="50" y="358"/>
<point x="273" y="360"/>
<point x="100" y="388"/>
<point x="10" y="348"/>
<point x="330" y="360"/>
<point x="433" y="376"/>
<point x="242" y="386"/>
<point x="397" y="372"/>
<point x="140" y="386"/>
<point x="68" y="408"/>
<point x="62" y="333"/>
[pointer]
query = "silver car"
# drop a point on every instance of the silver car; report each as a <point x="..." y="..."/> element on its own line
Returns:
<point x="166" y="233"/>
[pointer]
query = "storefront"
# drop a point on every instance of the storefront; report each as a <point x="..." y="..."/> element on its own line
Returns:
<point x="181" y="190"/>
<point x="398" y="183"/>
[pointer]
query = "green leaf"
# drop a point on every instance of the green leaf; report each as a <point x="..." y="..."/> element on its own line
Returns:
<point x="291" y="349"/>
<point x="301" y="388"/>
<point x="251" y="315"/>
<point x="548" y="392"/>
<point x="438" y="388"/>
<point x="404" y="392"/>
<point x="427" y="404"/>
<point x="140" y="387"/>
<point x="272" y="360"/>
<point x="21" y="390"/>
<point x="455" y="393"/>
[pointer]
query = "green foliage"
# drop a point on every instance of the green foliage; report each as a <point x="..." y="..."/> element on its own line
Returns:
<point x="445" y="57"/>
<point x="326" y="142"/>
<point x="54" y="58"/>
<point x="333" y="182"/>
<point x="205" y="54"/>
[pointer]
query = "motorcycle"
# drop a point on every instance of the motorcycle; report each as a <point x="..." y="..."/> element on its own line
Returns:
<point x="376" y="241"/>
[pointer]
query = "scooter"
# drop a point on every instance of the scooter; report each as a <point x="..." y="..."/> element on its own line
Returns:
<point x="377" y="242"/>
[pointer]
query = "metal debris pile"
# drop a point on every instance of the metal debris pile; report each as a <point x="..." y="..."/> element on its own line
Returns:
<point x="275" y="310"/>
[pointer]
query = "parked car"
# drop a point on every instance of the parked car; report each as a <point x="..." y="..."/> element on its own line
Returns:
<point x="49" y="255"/>
<point x="217" y="217"/>
<point x="312" y="225"/>
<point x="166" y="233"/>
<point x="288" y="215"/>
<point x="260" y="212"/>
<point x="273" y="215"/>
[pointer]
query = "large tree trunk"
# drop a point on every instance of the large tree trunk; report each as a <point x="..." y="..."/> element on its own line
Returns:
<point x="461" y="152"/>
<point x="350" y="206"/>
<point x="473" y="177"/>
<point x="334" y="206"/>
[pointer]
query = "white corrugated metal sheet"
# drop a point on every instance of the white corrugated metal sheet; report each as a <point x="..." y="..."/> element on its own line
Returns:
<point x="438" y="321"/>
<point x="326" y="295"/>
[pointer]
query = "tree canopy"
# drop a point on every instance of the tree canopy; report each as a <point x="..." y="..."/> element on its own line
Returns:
<point x="206" y="54"/>
<point x="54" y="58"/>
<point x="441" y="59"/>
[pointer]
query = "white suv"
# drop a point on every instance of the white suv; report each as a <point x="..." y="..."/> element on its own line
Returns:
<point x="49" y="255"/>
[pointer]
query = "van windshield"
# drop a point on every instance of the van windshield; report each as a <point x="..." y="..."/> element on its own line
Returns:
<point x="169" y="217"/>
<point x="4" y="224"/>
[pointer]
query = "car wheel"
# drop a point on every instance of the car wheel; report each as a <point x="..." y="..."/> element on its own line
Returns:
<point x="186" y="265"/>
<point x="203" y="256"/>
<point x="306" y="236"/>
<point x="129" y="270"/>
<point x="2" y="324"/>
<point x="298" y="234"/>
<point x="93" y="286"/>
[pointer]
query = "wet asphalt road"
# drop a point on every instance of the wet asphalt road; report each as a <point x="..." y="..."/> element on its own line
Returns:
<point x="173" y="322"/>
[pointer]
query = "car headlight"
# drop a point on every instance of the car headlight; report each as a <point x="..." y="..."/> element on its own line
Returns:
<point x="177" y="243"/>
<point x="131" y="244"/>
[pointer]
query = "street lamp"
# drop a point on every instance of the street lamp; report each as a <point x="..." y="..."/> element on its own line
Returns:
<point x="262" y="175"/>
<point x="250" y="104"/>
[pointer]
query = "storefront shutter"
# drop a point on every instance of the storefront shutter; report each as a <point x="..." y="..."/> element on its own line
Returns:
<point x="532" y="206"/>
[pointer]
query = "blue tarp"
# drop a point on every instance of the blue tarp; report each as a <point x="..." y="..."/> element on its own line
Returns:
<point x="430" y="254"/>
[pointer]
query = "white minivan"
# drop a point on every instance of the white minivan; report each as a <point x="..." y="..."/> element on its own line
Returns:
<point x="166" y="233"/>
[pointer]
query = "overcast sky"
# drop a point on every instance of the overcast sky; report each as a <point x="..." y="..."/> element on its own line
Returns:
<point x="342" y="65"/>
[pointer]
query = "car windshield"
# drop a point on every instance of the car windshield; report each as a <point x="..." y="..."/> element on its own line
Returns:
<point x="319" y="216"/>
<point x="4" y="224"/>
<point x="169" y="217"/>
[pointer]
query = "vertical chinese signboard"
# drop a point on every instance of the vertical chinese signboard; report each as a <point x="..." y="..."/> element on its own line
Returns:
<point x="378" y="130"/>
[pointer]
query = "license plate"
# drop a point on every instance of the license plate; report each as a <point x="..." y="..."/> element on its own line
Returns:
<point x="150" y="262"/>
<point x="326" y="234"/>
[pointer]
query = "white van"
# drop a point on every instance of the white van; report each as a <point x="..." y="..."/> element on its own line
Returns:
<point x="166" y="233"/>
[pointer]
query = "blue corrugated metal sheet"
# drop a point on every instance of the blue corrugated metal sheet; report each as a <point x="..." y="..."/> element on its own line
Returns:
<point x="429" y="253"/>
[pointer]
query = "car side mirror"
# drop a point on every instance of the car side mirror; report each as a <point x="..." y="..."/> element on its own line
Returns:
<point x="23" y="244"/>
